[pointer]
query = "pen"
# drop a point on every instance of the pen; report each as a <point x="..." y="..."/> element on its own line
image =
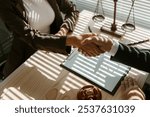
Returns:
<point x="139" y="42"/>
<point x="90" y="29"/>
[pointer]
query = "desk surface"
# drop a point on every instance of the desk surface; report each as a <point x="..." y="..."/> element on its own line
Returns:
<point x="41" y="76"/>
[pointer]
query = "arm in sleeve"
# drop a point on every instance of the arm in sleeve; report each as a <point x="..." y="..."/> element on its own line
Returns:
<point x="71" y="14"/>
<point x="132" y="56"/>
<point x="22" y="29"/>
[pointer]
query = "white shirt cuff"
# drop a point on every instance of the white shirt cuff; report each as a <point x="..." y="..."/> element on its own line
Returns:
<point x="114" y="48"/>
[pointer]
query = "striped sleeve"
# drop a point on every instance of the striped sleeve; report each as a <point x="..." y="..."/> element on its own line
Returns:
<point x="71" y="18"/>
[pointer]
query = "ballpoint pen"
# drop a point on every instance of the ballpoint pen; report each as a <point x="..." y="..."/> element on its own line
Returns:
<point x="139" y="42"/>
<point x="90" y="30"/>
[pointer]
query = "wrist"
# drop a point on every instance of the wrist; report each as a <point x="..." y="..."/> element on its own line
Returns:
<point x="73" y="41"/>
<point x="69" y="41"/>
<point x="114" y="48"/>
<point x="64" y="31"/>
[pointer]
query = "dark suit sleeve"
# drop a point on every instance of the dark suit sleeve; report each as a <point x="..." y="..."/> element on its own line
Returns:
<point x="15" y="22"/>
<point x="132" y="56"/>
<point x="71" y="14"/>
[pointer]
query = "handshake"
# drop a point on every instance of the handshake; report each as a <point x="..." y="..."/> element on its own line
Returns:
<point x="90" y="44"/>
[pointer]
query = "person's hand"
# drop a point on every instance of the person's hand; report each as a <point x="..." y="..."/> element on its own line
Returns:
<point x="90" y="50"/>
<point x="76" y="40"/>
<point x="104" y="44"/>
<point x="131" y="90"/>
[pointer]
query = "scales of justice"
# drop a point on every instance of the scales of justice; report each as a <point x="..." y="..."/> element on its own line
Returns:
<point x="128" y="26"/>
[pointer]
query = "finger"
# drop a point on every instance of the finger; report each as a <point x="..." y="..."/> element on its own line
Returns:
<point x="87" y="52"/>
<point x="123" y="85"/>
<point x="84" y="51"/>
<point x="130" y="82"/>
<point x="86" y="35"/>
<point x="100" y="51"/>
<point x="92" y="39"/>
<point x="135" y="82"/>
<point x="79" y="50"/>
<point x="94" y="52"/>
<point x="126" y="85"/>
<point x="87" y="41"/>
<point x="92" y="49"/>
<point x="90" y="53"/>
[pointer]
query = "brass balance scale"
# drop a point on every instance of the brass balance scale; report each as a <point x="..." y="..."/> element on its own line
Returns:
<point x="128" y="26"/>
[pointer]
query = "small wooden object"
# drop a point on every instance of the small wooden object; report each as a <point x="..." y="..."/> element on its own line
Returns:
<point x="89" y="92"/>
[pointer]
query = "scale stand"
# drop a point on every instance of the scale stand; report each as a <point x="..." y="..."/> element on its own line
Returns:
<point x="112" y="30"/>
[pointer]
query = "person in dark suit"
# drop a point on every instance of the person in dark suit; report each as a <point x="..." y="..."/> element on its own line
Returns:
<point x="39" y="25"/>
<point x="131" y="56"/>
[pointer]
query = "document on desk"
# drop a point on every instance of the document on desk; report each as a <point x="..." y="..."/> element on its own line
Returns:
<point x="99" y="71"/>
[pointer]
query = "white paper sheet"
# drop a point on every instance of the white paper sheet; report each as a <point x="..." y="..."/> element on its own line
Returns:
<point x="100" y="71"/>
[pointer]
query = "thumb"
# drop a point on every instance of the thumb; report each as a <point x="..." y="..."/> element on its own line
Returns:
<point x="86" y="41"/>
<point x="92" y="39"/>
<point x="86" y="35"/>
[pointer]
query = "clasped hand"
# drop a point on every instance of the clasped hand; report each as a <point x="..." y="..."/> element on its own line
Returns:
<point x="94" y="45"/>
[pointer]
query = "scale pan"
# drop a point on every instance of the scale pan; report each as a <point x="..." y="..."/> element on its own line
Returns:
<point x="99" y="18"/>
<point x="128" y="27"/>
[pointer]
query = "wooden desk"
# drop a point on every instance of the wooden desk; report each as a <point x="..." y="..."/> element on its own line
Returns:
<point x="41" y="76"/>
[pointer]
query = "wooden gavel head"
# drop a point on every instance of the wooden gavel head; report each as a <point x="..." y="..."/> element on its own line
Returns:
<point x="89" y="92"/>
